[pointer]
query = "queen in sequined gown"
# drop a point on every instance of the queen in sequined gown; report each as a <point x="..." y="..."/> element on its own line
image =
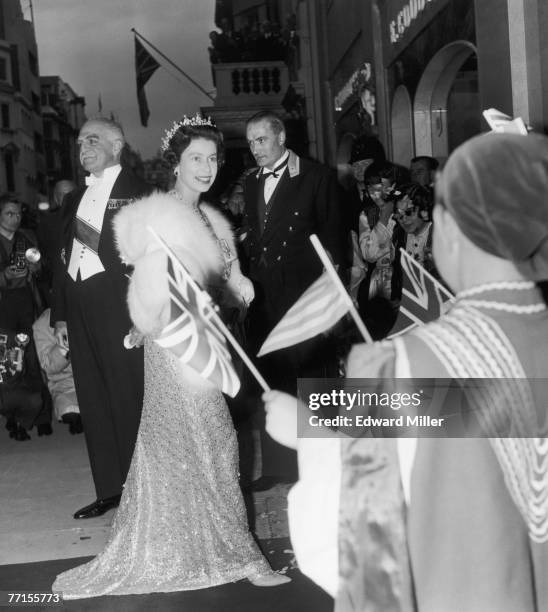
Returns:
<point x="182" y="522"/>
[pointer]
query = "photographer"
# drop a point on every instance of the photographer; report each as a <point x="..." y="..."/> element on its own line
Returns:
<point x="17" y="274"/>
<point x="24" y="399"/>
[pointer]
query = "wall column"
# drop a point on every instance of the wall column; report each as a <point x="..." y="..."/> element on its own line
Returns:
<point x="525" y="61"/>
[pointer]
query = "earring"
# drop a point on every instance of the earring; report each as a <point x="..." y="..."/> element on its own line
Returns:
<point x="176" y="171"/>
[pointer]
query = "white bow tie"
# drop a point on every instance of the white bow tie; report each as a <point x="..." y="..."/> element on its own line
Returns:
<point x="91" y="179"/>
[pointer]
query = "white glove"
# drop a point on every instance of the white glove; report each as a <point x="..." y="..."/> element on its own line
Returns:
<point x="247" y="292"/>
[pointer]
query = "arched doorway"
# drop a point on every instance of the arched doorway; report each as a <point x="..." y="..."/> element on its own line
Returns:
<point x="401" y="119"/>
<point x="446" y="107"/>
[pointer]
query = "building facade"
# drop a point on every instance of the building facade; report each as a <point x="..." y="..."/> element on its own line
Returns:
<point x="63" y="116"/>
<point x="418" y="73"/>
<point x="22" y="162"/>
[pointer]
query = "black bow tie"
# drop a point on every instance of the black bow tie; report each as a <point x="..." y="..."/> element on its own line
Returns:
<point x="274" y="172"/>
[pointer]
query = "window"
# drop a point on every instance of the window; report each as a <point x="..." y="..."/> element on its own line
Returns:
<point x="5" y="115"/>
<point x="3" y="69"/>
<point x="10" y="172"/>
<point x="41" y="180"/>
<point x="16" y="81"/>
<point x="35" y="103"/>
<point x="38" y="143"/>
<point x="33" y="64"/>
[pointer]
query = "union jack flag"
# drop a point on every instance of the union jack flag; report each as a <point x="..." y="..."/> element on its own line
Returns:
<point x="193" y="334"/>
<point x="424" y="299"/>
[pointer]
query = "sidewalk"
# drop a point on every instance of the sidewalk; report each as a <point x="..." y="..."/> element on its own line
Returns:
<point x="42" y="482"/>
<point x="45" y="479"/>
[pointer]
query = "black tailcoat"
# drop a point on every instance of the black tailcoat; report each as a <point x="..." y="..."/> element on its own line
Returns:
<point x="108" y="377"/>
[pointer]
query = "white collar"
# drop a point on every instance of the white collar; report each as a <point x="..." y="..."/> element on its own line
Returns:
<point x="108" y="173"/>
<point x="284" y="156"/>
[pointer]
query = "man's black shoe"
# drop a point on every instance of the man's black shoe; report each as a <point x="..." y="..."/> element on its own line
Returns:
<point x="98" y="507"/>
<point x="44" y="429"/>
<point x="74" y="421"/>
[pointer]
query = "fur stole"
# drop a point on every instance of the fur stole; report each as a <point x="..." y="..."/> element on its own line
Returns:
<point x="186" y="234"/>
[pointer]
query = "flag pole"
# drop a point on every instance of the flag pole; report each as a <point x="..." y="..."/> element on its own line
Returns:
<point x="340" y="287"/>
<point x="235" y="344"/>
<point x="173" y="64"/>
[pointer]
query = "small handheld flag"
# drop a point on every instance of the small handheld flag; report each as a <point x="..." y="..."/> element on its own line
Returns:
<point x="196" y="333"/>
<point x="193" y="336"/>
<point x="424" y="298"/>
<point x="499" y="122"/>
<point x="318" y="309"/>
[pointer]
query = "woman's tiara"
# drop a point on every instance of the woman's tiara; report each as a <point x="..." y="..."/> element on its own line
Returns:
<point x="195" y="121"/>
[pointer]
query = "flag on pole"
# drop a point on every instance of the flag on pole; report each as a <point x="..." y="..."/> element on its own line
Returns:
<point x="193" y="334"/>
<point x="424" y="298"/>
<point x="318" y="309"/>
<point x="145" y="66"/>
<point x="500" y="122"/>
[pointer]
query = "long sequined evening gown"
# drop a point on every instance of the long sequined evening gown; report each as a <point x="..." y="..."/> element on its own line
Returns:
<point x="181" y="523"/>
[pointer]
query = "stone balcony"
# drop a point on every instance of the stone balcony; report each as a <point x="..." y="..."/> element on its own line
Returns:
<point x="250" y="83"/>
<point x="243" y="89"/>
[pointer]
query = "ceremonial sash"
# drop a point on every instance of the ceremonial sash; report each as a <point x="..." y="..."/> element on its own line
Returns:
<point x="87" y="235"/>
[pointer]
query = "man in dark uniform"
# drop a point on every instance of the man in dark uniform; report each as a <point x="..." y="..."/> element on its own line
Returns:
<point x="89" y="311"/>
<point x="287" y="199"/>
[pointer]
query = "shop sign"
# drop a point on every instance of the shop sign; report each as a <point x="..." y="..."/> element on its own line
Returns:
<point x="359" y="84"/>
<point x="405" y="17"/>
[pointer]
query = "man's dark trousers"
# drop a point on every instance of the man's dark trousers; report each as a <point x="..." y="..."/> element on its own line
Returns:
<point x="110" y="377"/>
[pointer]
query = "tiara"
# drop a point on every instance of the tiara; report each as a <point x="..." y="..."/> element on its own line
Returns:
<point x="195" y="121"/>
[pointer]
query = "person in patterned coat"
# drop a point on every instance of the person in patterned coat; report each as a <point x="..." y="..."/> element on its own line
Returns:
<point x="443" y="524"/>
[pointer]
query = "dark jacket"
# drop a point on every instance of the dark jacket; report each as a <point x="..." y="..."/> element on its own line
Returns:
<point x="282" y="261"/>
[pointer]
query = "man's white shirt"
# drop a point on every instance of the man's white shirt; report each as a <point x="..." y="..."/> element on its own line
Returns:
<point x="271" y="182"/>
<point x="91" y="211"/>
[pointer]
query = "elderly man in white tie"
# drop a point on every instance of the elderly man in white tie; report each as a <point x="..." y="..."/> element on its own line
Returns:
<point x="90" y="316"/>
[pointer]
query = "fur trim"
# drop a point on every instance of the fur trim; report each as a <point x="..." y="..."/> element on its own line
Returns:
<point x="186" y="234"/>
<point x="177" y="224"/>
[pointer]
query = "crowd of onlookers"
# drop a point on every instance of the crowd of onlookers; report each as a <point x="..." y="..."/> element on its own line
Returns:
<point x="390" y="208"/>
<point x="35" y="372"/>
<point x="267" y="41"/>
